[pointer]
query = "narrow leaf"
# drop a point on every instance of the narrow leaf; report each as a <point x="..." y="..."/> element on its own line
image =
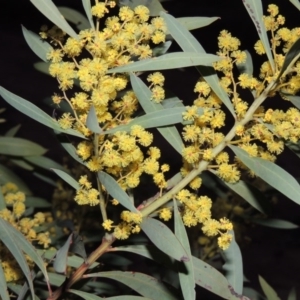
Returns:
<point x="3" y="286"/>
<point x="67" y="178"/>
<point x="161" y="49"/>
<point x="290" y="59"/>
<point x="128" y="298"/>
<point x="187" y="282"/>
<point x="144" y="284"/>
<point x="85" y="295"/>
<point x="6" y="175"/>
<point x="116" y="191"/>
<point x="75" y="17"/>
<point x="270" y="173"/>
<point x="294" y="99"/>
<point x="268" y="290"/>
<point x="191" y="23"/>
<point x="60" y="261"/>
<point x="87" y="8"/>
<point x="9" y="240"/>
<point x="143" y="93"/>
<point x="212" y="79"/>
<point x="296" y="3"/>
<point x="42" y="67"/>
<point x="22" y="164"/>
<point x="188" y="43"/>
<point x="254" y="8"/>
<point x="44" y="162"/>
<point x="72" y="152"/>
<point x="154" y="119"/>
<point x="247" y="66"/>
<point x="45" y="178"/>
<point x="276" y="223"/>
<point x="2" y="200"/>
<point x="19" y="147"/>
<point x="92" y="121"/>
<point x="13" y="131"/>
<point x="164" y="239"/>
<point x="234" y="266"/>
<point x="168" y="61"/>
<point x="56" y="279"/>
<point x="37" y="45"/>
<point x="36" y="202"/>
<point x="50" y="11"/>
<point x="181" y="34"/>
<point x="292" y="294"/>
<point x="247" y="192"/>
<point x="34" y="112"/>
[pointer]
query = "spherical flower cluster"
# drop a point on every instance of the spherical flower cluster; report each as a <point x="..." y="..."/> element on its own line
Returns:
<point x="15" y="200"/>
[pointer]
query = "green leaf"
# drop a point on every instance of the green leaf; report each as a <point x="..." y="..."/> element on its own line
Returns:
<point x="72" y="260"/>
<point x="290" y="59"/>
<point x="21" y="163"/>
<point x="92" y="121"/>
<point x="268" y="290"/>
<point x="254" y="8"/>
<point x="61" y="257"/>
<point x="161" y="49"/>
<point x="34" y="112"/>
<point x="191" y="23"/>
<point x="234" y="266"/>
<point x="247" y="66"/>
<point x="45" y="178"/>
<point x="292" y="294"/>
<point x="296" y="3"/>
<point x="270" y="173"/>
<point x="143" y="284"/>
<point x="3" y="286"/>
<point x="154" y="6"/>
<point x="13" y="131"/>
<point x="116" y="191"/>
<point x="2" y="201"/>
<point x="44" y="162"/>
<point x="144" y="95"/>
<point x="204" y="275"/>
<point x="154" y="119"/>
<point x="164" y="239"/>
<point x="181" y="35"/>
<point x="187" y="282"/>
<point x="128" y="298"/>
<point x="50" y="11"/>
<point x="7" y="236"/>
<point x="189" y="43"/>
<point x="212" y="79"/>
<point x="276" y="223"/>
<point x="85" y="295"/>
<point x="168" y="61"/>
<point x="56" y="279"/>
<point x="72" y="152"/>
<point x="88" y="10"/>
<point x="19" y="147"/>
<point x="6" y="175"/>
<point x="67" y="178"/>
<point x="294" y="99"/>
<point x="211" y="279"/>
<point x="75" y="17"/>
<point x="36" y="202"/>
<point x="37" y="45"/>
<point x="42" y="67"/>
<point x="247" y="192"/>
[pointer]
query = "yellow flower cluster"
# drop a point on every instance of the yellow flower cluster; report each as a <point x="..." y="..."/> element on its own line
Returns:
<point x="130" y="224"/>
<point x="197" y="210"/>
<point x="15" y="199"/>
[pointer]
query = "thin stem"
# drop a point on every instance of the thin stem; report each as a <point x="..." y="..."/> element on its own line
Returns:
<point x="203" y="165"/>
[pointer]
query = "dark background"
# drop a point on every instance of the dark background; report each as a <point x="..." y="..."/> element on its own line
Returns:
<point x="273" y="253"/>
